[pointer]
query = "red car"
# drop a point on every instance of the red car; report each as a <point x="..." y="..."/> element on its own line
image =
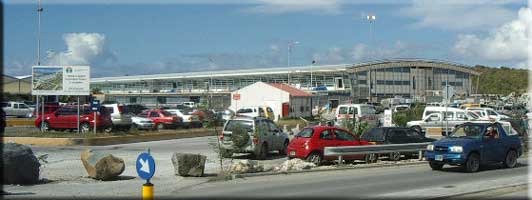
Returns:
<point x="66" y="118"/>
<point x="311" y="141"/>
<point x="162" y="119"/>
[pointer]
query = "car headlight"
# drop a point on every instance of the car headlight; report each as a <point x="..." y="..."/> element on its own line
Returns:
<point x="430" y="147"/>
<point x="456" y="149"/>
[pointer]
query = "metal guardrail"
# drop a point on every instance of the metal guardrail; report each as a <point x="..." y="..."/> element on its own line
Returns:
<point x="374" y="149"/>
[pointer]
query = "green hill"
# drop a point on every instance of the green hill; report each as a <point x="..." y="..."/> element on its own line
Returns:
<point x="501" y="80"/>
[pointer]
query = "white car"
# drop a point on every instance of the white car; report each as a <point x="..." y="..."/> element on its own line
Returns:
<point x="188" y="119"/>
<point x="17" y="109"/>
<point x="488" y="113"/>
<point x="119" y="115"/>
<point x="362" y="112"/>
<point x="142" y="123"/>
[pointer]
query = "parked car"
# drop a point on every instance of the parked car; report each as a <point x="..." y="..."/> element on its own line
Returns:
<point x="362" y="112"/>
<point x="142" y="123"/>
<point x="264" y="136"/>
<point x="189" y="104"/>
<point x="162" y="119"/>
<point x="49" y="107"/>
<point x="436" y="120"/>
<point x="17" y="109"/>
<point x="188" y="119"/>
<point x="227" y="114"/>
<point x="119" y="115"/>
<point x="399" y="108"/>
<point x="65" y="118"/>
<point x="135" y="109"/>
<point x="488" y="113"/>
<point x="310" y="142"/>
<point x="395" y="135"/>
<point x="473" y="144"/>
<point x="256" y="111"/>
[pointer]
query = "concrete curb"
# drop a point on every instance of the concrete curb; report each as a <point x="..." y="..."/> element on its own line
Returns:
<point x="110" y="140"/>
<point x="328" y="169"/>
<point x="458" y="195"/>
<point x="20" y="122"/>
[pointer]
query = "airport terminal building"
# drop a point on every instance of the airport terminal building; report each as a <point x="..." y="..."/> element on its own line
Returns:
<point x="363" y="82"/>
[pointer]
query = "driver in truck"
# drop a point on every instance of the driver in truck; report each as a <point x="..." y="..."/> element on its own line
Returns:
<point x="492" y="133"/>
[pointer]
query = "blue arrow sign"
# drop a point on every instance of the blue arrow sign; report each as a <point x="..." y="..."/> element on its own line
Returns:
<point x="145" y="166"/>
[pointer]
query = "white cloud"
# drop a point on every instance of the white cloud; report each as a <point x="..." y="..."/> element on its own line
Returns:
<point x="82" y="49"/>
<point x="508" y="42"/>
<point x="458" y="14"/>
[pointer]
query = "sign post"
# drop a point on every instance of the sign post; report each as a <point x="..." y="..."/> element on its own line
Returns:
<point x="146" y="169"/>
<point x="95" y="106"/>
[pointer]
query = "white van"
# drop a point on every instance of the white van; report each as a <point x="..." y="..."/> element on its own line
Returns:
<point x="363" y="112"/>
<point x="256" y="111"/>
<point x="452" y="113"/>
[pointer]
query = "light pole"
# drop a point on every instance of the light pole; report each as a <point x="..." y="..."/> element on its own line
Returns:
<point x="371" y="19"/>
<point x="290" y="44"/>
<point x="39" y="11"/>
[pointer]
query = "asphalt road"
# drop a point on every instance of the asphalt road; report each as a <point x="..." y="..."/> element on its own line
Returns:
<point x="64" y="176"/>
<point x="416" y="181"/>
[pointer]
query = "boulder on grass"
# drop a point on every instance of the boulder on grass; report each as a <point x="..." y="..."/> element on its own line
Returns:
<point x="102" y="166"/>
<point x="186" y="164"/>
<point x="20" y="166"/>
<point x="246" y="166"/>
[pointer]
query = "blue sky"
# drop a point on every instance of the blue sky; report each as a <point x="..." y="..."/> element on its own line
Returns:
<point x="163" y="36"/>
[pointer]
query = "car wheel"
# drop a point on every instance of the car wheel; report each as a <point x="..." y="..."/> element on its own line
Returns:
<point x="473" y="163"/>
<point x="511" y="159"/>
<point x="315" y="158"/>
<point x="284" y="150"/>
<point x="108" y="129"/>
<point x="45" y="126"/>
<point x="160" y="126"/>
<point x="85" y="127"/>
<point x="370" y="158"/>
<point x="436" y="165"/>
<point x="417" y="128"/>
<point x="395" y="156"/>
<point x="263" y="154"/>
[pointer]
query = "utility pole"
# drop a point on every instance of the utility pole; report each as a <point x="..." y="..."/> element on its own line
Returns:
<point x="371" y="19"/>
<point x="39" y="11"/>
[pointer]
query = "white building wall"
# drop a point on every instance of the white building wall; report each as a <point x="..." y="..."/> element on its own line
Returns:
<point x="260" y="94"/>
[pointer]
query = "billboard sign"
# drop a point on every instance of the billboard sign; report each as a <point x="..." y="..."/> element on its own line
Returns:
<point x="60" y="80"/>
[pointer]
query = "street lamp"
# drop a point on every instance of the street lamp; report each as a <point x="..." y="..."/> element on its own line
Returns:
<point x="371" y="19"/>
<point x="290" y="44"/>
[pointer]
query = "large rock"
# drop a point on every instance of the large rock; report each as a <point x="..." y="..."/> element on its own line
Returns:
<point x="102" y="166"/>
<point x="20" y="166"/>
<point x="294" y="165"/>
<point x="186" y="164"/>
<point x="246" y="166"/>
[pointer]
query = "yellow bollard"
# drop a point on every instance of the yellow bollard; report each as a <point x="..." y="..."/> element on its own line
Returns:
<point x="147" y="191"/>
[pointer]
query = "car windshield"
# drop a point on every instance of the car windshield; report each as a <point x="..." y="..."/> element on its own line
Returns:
<point x="167" y="114"/>
<point x="471" y="131"/>
<point x="231" y="124"/>
<point x="245" y="110"/>
<point x="305" y="133"/>
<point x="374" y="135"/>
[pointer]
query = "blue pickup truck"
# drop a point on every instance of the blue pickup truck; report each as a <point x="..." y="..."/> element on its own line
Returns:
<point x="475" y="143"/>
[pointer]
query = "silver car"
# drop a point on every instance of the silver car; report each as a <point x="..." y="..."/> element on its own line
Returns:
<point x="264" y="136"/>
<point x="142" y="123"/>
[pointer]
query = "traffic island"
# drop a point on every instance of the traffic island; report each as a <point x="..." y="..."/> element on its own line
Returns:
<point x="92" y="140"/>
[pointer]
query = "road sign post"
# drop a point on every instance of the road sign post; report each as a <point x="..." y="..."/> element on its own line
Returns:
<point x="95" y="106"/>
<point x="146" y="169"/>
